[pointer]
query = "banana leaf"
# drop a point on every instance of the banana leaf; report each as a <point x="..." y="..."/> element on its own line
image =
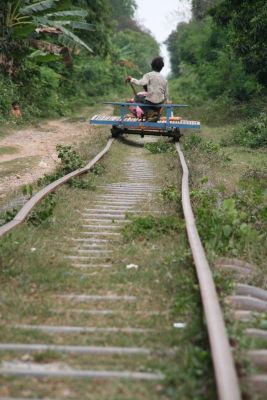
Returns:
<point x="71" y="37"/>
<point x="38" y="7"/>
<point x="42" y="57"/>
<point x="69" y="13"/>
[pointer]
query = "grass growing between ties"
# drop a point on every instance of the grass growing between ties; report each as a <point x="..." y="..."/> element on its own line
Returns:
<point x="161" y="146"/>
<point x="34" y="268"/>
<point x="168" y="265"/>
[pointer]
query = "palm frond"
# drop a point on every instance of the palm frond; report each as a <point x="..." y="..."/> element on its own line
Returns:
<point x="69" y="39"/>
<point x="82" y="25"/>
<point x="71" y="24"/>
<point x="22" y="31"/>
<point x="69" y="13"/>
<point x="43" y="57"/>
<point x="38" y="7"/>
<point x="57" y="23"/>
<point x="15" y="9"/>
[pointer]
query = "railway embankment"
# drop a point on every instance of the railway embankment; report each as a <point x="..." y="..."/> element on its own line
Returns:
<point x="103" y="267"/>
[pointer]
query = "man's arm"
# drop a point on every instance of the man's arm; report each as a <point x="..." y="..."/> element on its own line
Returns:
<point x="141" y="82"/>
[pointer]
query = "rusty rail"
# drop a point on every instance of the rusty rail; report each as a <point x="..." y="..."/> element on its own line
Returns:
<point x="225" y="372"/>
<point x="27" y="208"/>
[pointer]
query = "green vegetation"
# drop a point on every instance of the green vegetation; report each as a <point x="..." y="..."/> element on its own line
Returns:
<point x="165" y="269"/>
<point x="219" y="67"/>
<point x="161" y="146"/>
<point x="219" y="60"/>
<point x="225" y="227"/>
<point x="44" y="211"/>
<point x="150" y="227"/>
<point x="171" y="193"/>
<point x="70" y="161"/>
<point x="8" y="215"/>
<point x="228" y="192"/>
<point x="7" y="150"/>
<point x="57" y="56"/>
<point x="251" y="133"/>
<point x="231" y="222"/>
<point x="218" y="64"/>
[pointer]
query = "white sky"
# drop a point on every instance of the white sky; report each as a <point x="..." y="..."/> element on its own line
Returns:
<point x="161" y="18"/>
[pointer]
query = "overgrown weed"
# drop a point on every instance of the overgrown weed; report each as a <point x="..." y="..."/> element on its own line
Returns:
<point x="70" y="161"/>
<point x="170" y="193"/>
<point x="225" y="227"/>
<point x="251" y="133"/>
<point x="151" y="227"/>
<point x="212" y="150"/>
<point x="161" y="146"/>
<point x="230" y="222"/>
<point x="8" y="215"/>
<point x="44" y="212"/>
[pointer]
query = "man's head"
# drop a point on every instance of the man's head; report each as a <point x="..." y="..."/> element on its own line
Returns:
<point x="15" y="110"/>
<point x="15" y="105"/>
<point x="157" y="64"/>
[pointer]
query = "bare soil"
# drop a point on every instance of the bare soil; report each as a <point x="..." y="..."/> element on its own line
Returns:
<point x="35" y="151"/>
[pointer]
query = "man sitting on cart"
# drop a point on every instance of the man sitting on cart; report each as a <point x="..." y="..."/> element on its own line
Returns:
<point x="157" y="88"/>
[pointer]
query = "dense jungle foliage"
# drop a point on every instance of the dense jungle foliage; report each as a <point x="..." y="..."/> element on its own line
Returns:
<point x="219" y="61"/>
<point x="59" y="55"/>
<point x="56" y="55"/>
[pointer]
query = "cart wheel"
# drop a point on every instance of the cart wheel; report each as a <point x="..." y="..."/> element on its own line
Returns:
<point x="176" y="135"/>
<point x="116" y="132"/>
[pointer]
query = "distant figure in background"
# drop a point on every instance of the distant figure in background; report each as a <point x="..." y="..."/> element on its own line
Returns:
<point x="156" y="84"/>
<point x="15" y="110"/>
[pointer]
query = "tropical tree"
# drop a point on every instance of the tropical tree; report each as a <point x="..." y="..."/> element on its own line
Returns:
<point x="47" y="26"/>
<point x="201" y="7"/>
<point x="246" y="26"/>
<point x="98" y="11"/>
<point x="122" y="11"/>
<point x="135" y="50"/>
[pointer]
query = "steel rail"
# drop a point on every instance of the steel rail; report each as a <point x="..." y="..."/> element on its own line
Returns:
<point x="225" y="372"/>
<point x="27" y="208"/>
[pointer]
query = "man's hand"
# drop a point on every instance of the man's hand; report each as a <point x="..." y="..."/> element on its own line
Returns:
<point x="128" y="79"/>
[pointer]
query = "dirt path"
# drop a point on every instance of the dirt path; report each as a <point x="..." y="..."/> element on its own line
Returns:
<point x="31" y="152"/>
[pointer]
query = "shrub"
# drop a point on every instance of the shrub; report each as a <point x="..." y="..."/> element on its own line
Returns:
<point x="44" y="211"/>
<point x="170" y="193"/>
<point x="252" y="133"/>
<point x="224" y="226"/>
<point x="70" y="160"/>
<point x="211" y="149"/>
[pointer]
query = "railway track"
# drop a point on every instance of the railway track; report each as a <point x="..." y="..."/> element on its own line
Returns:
<point x="93" y="246"/>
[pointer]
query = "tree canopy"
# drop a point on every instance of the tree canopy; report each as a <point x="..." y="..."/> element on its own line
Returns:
<point x="246" y="28"/>
<point x="98" y="41"/>
<point x="201" y="7"/>
<point x="49" y="26"/>
<point x="223" y="50"/>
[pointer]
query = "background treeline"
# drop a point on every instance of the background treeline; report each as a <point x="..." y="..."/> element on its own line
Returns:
<point x="219" y="59"/>
<point x="57" y="55"/>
